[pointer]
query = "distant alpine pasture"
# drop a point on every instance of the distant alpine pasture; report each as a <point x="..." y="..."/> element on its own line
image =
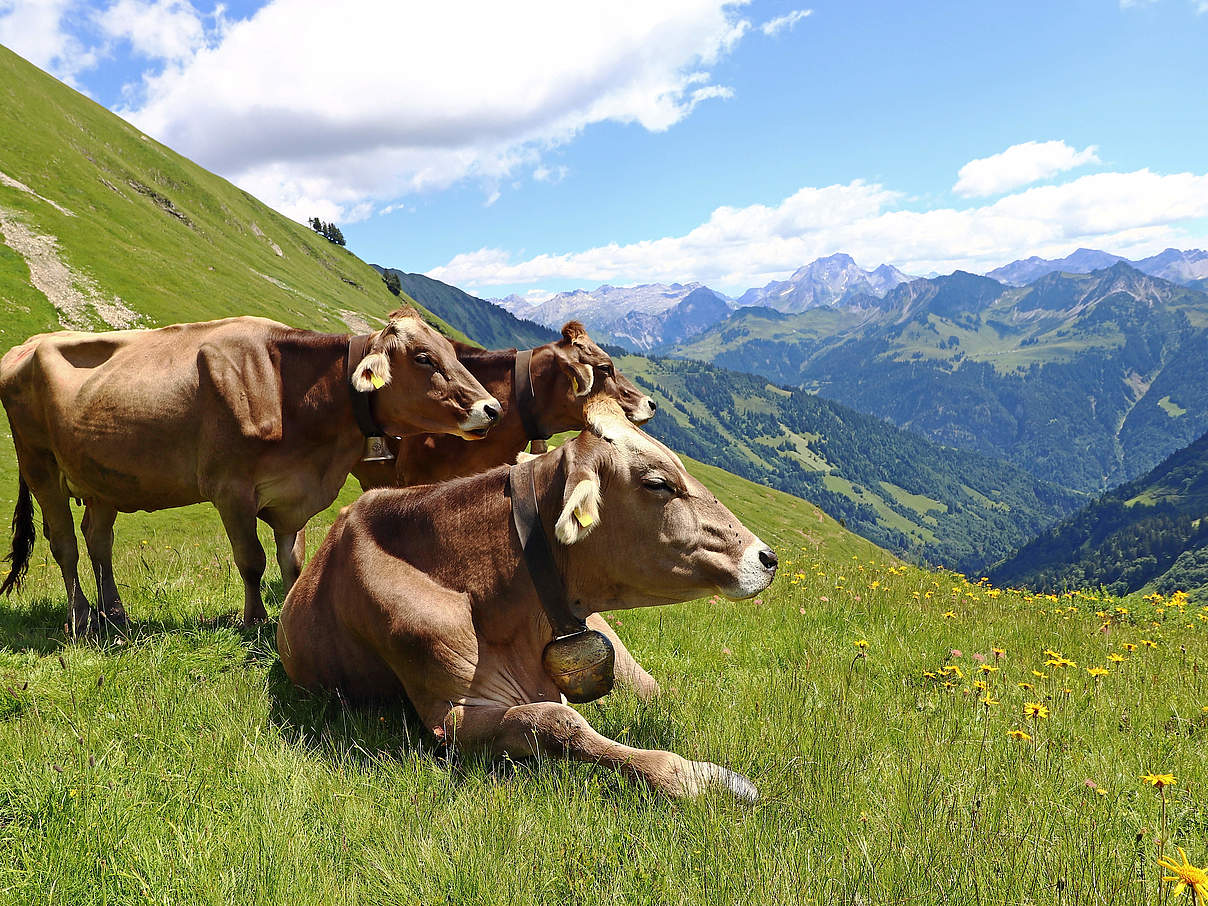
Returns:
<point x="914" y="734"/>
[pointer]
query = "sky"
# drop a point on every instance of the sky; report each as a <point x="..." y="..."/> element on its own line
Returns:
<point x="534" y="147"/>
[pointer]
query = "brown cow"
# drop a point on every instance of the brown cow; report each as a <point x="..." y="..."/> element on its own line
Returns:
<point x="563" y="374"/>
<point x="256" y="417"/>
<point x="426" y="593"/>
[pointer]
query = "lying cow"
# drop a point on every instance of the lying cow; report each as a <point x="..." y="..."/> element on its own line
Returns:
<point x="428" y="593"/>
<point x="263" y="420"/>
<point x="542" y="390"/>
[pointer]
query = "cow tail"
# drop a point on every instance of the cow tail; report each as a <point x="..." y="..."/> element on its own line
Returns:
<point x="24" y="535"/>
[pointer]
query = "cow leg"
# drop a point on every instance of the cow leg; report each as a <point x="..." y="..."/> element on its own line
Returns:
<point x="629" y="673"/>
<point x="249" y="560"/>
<point x="59" y="529"/>
<point x="291" y="554"/>
<point x="554" y="729"/>
<point x="97" y="526"/>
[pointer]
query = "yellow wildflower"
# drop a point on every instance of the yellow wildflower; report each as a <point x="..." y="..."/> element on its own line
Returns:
<point x="1129" y="646"/>
<point x="986" y="668"/>
<point x="1187" y="875"/>
<point x="1116" y="658"/>
<point x="1026" y="687"/>
<point x="863" y="643"/>
<point x="1035" y="709"/>
<point x="1158" y="780"/>
<point x="1020" y="735"/>
<point x="1097" y="671"/>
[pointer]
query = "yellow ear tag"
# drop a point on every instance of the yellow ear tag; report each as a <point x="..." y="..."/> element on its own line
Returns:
<point x="377" y="381"/>
<point x="574" y="385"/>
<point x="585" y="518"/>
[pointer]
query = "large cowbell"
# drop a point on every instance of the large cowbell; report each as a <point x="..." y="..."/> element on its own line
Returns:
<point x="581" y="665"/>
<point x="376" y="450"/>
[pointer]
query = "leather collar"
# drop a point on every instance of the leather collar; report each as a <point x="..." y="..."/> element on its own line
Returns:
<point x="526" y="396"/>
<point x="358" y="347"/>
<point x="538" y="557"/>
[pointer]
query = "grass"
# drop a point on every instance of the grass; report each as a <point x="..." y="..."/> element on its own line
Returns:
<point x="180" y="765"/>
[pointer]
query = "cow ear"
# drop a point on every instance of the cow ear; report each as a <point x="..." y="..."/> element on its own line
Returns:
<point x="581" y="376"/>
<point x="372" y="373"/>
<point x="581" y="508"/>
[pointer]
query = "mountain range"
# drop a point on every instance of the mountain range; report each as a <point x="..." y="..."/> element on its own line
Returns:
<point x="1151" y="532"/>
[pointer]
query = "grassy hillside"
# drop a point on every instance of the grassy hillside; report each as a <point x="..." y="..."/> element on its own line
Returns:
<point x="905" y="493"/>
<point x="101" y="211"/>
<point x="1084" y="379"/>
<point x="1149" y="532"/>
<point x="487" y="324"/>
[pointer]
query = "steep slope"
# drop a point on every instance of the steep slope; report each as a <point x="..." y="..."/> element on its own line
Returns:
<point x="1083" y="379"/>
<point x="104" y="227"/>
<point x="487" y="324"/>
<point x="1177" y="266"/>
<point x="1152" y="531"/>
<point x="893" y="487"/>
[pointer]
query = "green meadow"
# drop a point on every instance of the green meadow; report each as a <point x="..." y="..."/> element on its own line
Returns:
<point x="178" y="764"/>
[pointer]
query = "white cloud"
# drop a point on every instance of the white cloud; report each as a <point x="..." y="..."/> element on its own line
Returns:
<point x="1137" y="212"/>
<point x="35" y="29"/>
<point x="787" y="21"/>
<point x="315" y="105"/>
<point x="1020" y="165"/>
<point x="157" y="29"/>
<point x="556" y="174"/>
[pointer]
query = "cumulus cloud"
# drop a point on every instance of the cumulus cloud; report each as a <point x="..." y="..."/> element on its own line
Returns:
<point x="787" y="21"/>
<point x="157" y="29"/>
<point x="314" y="105"/>
<point x="739" y="247"/>
<point x="36" y="29"/>
<point x="1020" y="165"/>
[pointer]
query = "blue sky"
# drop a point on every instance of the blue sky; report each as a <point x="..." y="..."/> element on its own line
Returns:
<point x="544" y="146"/>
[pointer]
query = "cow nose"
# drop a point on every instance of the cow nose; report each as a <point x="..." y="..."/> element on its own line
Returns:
<point x="768" y="558"/>
<point x="653" y="404"/>
<point x="491" y="412"/>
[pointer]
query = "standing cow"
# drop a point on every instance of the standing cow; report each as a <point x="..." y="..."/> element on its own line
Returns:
<point x="429" y="593"/>
<point x="542" y="391"/>
<point x="263" y="420"/>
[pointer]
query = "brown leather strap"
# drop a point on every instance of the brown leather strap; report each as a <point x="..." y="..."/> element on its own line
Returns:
<point x="526" y="396"/>
<point x="358" y="347"/>
<point x="537" y="554"/>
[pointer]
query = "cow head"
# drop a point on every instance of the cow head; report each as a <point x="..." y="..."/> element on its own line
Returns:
<point x="580" y="371"/>
<point x="637" y="529"/>
<point x="418" y="384"/>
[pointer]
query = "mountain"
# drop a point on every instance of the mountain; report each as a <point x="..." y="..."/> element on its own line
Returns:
<point x="1087" y="380"/>
<point x="486" y="324"/>
<point x="1024" y="271"/>
<point x="909" y="495"/>
<point x="1149" y="532"/>
<point x="637" y="318"/>
<point x="1188" y="268"/>
<point x="826" y="281"/>
<point x="102" y="226"/>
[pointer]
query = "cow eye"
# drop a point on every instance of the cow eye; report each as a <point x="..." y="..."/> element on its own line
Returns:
<point x="658" y="484"/>
<point x="606" y="370"/>
<point x="424" y="359"/>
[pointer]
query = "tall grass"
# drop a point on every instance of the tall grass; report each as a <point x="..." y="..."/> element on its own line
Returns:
<point x="178" y="764"/>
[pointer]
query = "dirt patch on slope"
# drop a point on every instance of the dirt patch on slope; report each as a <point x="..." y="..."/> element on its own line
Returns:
<point x="75" y="296"/>
<point x="6" y="180"/>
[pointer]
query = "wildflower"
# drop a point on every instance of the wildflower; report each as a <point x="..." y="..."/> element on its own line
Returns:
<point x="949" y="614"/>
<point x="1116" y="658"/>
<point x="1097" y="672"/>
<point x="987" y="701"/>
<point x="862" y="643"/>
<point x="980" y="686"/>
<point x="1049" y="652"/>
<point x="1035" y="709"/>
<point x="1187" y="875"/>
<point x="986" y="668"/>
<point x="1020" y="735"/>
<point x="928" y="674"/>
<point x="1158" y="780"/>
<point x="1038" y="674"/>
<point x="948" y="684"/>
<point x="980" y="658"/>
<point x="954" y="652"/>
<point x="998" y="652"/>
<point x="1148" y="643"/>
<point x="1129" y="646"/>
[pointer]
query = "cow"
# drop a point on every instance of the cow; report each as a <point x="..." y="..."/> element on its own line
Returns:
<point x="263" y="420"/>
<point x="430" y="594"/>
<point x="542" y="391"/>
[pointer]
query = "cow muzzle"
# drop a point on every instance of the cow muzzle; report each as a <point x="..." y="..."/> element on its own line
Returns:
<point x="644" y="412"/>
<point x="483" y="415"/>
<point x="756" y="570"/>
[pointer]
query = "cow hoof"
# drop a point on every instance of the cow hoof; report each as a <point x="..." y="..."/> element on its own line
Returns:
<point x="115" y="616"/>
<point x="704" y="775"/>
<point x="252" y="620"/>
<point x="84" y="624"/>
